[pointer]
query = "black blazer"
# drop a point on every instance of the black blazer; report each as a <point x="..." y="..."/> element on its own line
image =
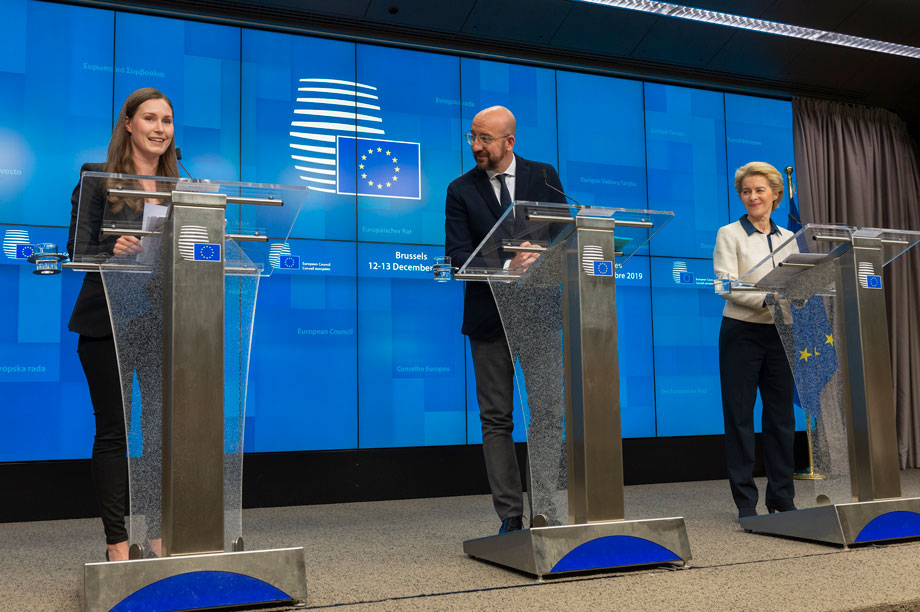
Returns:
<point x="471" y="211"/>
<point x="90" y="316"/>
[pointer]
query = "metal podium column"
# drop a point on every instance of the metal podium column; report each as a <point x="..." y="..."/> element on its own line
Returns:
<point x="866" y="359"/>
<point x="592" y="381"/>
<point x="877" y="512"/>
<point x="597" y="536"/>
<point x="195" y="570"/>
<point x="193" y="378"/>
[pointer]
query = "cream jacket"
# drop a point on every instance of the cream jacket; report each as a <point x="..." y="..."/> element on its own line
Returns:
<point x="740" y="247"/>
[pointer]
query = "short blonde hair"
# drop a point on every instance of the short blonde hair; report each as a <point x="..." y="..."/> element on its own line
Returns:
<point x="754" y="168"/>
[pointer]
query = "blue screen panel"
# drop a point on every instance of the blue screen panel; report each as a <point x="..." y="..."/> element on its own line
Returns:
<point x="758" y="129"/>
<point x="297" y="95"/>
<point x="686" y="315"/>
<point x="528" y="92"/>
<point x="685" y="130"/>
<point x="302" y="379"/>
<point x="56" y="79"/>
<point x="420" y="118"/>
<point x="197" y="66"/>
<point x="601" y="140"/>
<point x="411" y="358"/>
<point x="634" y="345"/>
<point x="43" y="387"/>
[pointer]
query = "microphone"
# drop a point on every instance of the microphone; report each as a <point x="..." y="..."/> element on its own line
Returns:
<point x="179" y="161"/>
<point x="559" y="191"/>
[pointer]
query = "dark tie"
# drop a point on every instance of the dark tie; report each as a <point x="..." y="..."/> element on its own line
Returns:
<point x="504" y="201"/>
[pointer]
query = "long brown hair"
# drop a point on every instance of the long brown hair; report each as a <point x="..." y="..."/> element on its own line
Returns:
<point x="120" y="159"/>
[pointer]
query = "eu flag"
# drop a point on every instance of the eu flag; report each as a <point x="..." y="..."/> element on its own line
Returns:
<point x="289" y="262"/>
<point x="603" y="268"/>
<point x="207" y="252"/>
<point x="24" y="251"/>
<point x="378" y="168"/>
<point x="814" y="358"/>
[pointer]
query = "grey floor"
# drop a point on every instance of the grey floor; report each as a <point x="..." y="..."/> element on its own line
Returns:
<point x="406" y="555"/>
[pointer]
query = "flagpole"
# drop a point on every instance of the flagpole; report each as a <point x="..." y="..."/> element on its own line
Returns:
<point x="810" y="473"/>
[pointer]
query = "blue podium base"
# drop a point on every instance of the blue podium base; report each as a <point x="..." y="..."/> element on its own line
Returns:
<point x="195" y="582"/>
<point x="844" y="524"/>
<point x="564" y="549"/>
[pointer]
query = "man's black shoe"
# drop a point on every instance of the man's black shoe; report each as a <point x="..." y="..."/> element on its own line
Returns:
<point x="514" y="523"/>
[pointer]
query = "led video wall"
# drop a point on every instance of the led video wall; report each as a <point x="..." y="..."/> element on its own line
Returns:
<point x="358" y="347"/>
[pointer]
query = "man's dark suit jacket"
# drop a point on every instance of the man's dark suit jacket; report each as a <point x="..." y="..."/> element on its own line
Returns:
<point x="471" y="211"/>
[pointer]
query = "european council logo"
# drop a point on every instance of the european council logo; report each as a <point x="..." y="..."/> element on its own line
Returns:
<point x="593" y="262"/>
<point x="17" y="244"/>
<point x="680" y="273"/>
<point x="339" y="147"/>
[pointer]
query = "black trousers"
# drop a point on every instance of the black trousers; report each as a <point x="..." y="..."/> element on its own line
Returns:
<point x="751" y="357"/>
<point x="494" y="371"/>
<point x="110" y="449"/>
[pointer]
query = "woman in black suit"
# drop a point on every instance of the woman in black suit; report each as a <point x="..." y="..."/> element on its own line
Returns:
<point x="142" y="144"/>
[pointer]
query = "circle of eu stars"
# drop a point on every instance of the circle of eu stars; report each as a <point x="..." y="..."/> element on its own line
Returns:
<point x="387" y="182"/>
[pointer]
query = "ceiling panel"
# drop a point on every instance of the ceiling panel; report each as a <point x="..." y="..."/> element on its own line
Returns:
<point x="352" y="9"/>
<point x="533" y="21"/>
<point x="602" y="30"/>
<point x="444" y="16"/>
<point x="682" y="42"/>
<point x="755" y="53"/>
<point x="889" y="20"/>
<point x="817" y="14"/>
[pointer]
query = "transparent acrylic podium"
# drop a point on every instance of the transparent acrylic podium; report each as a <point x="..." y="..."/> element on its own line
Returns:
<point x="559" y="316"/>
<point x="828" y="298"/>
<point x="182" y="310"/>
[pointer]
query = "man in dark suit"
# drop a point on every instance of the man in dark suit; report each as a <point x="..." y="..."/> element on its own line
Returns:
<point x="475" y="201"/>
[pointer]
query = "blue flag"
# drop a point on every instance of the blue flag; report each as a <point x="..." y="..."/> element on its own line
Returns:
<point x="289" y="262"/>
<point x="378" y="168"/>
<point x="795" y="224"/>
<point x="207" y="252"/>
<point x="815" y="359"/>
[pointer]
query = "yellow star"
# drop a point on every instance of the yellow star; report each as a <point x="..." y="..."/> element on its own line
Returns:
<point x="397" y="168"/>
<point x="379" y="149"/>
<point x="371" y="183"/>
<point x="395" y="178"/>
<point x="379" y="186"/>
<point x="389" y="184"/>
<point x="816" y="351"/>
<point x="371" y="151"/>
<point x="394" y="160"/>
<point x="364" y="157"/>
<point x="829" y="339"/>
<point x="364" y="176"/>
<point x="805" y="355"/>
<point x="361" y="166"/>
<point x="388" y="153"/>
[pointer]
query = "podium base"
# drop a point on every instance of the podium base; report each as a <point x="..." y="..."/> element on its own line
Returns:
<point x="550" y="551"/>
<point x="194" y="582"/>
<point x="844" y="524"/>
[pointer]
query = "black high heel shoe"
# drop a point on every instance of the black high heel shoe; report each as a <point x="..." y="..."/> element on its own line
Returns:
<point x="773" y="509"/>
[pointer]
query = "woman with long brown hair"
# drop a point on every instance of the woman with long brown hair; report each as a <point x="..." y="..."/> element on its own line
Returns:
<point x="142" y="143"/>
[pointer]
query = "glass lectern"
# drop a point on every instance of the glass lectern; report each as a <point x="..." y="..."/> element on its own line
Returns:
<point x="827" y="294"/>
<point x="182" y="306"/>
<point x="552" y="271"/>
